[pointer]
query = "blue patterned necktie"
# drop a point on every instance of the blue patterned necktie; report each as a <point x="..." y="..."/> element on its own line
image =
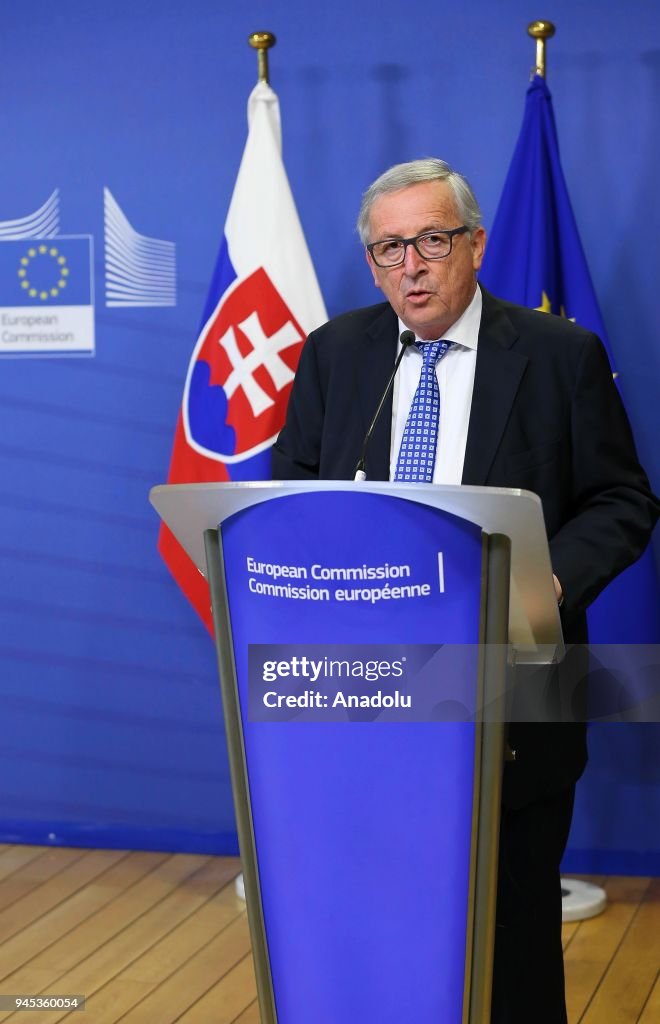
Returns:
<point x="416" y="460"/>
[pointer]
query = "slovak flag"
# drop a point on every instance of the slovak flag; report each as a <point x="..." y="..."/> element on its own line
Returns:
<point x="263" y="301"/>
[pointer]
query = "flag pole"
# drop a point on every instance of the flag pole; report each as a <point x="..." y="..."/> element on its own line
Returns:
<point x="540" y="30"/>
<point x="262" y="42"/>
<point x="580" y="900"/>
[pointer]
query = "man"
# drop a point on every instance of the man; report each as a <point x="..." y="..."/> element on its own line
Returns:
<point x="525" y="400"/>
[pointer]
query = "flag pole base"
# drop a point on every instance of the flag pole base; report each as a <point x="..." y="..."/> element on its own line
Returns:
<point x="581" y="900"/>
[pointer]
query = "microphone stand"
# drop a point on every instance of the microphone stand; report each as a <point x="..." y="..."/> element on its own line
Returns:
<point x="407" y="338"/>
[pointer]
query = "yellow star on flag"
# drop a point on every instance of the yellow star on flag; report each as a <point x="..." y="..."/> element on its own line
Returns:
<point x="546" y="305"/>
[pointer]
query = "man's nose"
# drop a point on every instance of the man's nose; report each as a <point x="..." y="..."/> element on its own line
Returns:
<point x="413" y="263"/>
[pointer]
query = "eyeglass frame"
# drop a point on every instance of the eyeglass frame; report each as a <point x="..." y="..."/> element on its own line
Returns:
<point x="413" y="240"/>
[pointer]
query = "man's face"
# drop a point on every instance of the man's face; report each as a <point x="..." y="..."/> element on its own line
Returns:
<point x="428" y="295"/>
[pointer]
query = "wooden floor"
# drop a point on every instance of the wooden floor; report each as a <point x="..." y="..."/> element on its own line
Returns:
<point x="151" y="938"/>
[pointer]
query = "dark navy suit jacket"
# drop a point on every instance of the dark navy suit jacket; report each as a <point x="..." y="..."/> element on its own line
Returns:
<point x="546" y="416"/>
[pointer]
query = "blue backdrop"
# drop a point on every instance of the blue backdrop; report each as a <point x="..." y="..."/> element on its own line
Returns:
<point x="112" y="725"/>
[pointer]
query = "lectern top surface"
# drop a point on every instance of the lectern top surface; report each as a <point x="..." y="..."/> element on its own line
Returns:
<point x="190" y="509"/>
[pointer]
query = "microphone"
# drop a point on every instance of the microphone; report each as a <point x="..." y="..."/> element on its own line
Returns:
<point x="407" y="338"/>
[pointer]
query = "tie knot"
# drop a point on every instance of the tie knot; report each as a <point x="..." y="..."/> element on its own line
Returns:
<point x="433" y="351"/>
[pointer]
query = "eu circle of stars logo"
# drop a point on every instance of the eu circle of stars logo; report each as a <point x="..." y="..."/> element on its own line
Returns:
<point x="43" y="272"/>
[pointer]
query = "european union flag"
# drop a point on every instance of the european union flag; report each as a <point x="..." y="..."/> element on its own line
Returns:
<point x="44" y="272"/>
<point x="535" y="257"/>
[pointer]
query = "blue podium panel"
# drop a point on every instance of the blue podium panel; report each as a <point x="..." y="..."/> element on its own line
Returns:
<point x="362" y="828"/>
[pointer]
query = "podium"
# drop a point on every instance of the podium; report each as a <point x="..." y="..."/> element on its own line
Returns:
<point x="365" y="633"/>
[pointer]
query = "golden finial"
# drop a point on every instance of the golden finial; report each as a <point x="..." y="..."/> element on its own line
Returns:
<point x="262" y="42"/>
<point x="540" y="30"/>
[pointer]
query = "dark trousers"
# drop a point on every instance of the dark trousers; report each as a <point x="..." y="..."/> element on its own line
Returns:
<point x="528" y="981"/>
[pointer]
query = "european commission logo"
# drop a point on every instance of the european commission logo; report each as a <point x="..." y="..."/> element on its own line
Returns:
<point x="46" y="299"/>
<point x="51" y="275"/>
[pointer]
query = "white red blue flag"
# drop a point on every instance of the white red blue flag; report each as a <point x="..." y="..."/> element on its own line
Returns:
<point x="263" y="301"/>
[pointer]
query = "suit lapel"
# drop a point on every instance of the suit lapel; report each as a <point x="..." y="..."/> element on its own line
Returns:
<point x="497" y="377"/>
<point x="375" y="363"/>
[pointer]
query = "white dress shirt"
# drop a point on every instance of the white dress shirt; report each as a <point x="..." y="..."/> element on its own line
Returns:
<point x="455" y="372"/>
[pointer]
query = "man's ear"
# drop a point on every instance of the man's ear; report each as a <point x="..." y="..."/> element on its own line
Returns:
<point x="478" y="243"/>
<point x="372" y="267"/>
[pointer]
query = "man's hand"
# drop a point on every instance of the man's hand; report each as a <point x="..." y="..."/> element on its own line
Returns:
<point x="559" y="593"/>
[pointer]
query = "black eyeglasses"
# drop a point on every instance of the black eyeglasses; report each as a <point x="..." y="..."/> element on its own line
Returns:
<point x="430" y="245"/>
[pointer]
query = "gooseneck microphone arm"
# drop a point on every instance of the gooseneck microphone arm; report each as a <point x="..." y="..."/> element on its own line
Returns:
<point x="407" y="338"/>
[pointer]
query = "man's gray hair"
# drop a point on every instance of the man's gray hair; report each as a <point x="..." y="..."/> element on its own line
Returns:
<point x="403" y="175"/>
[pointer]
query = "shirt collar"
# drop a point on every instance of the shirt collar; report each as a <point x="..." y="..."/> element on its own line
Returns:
<point x="465" y="331"/>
